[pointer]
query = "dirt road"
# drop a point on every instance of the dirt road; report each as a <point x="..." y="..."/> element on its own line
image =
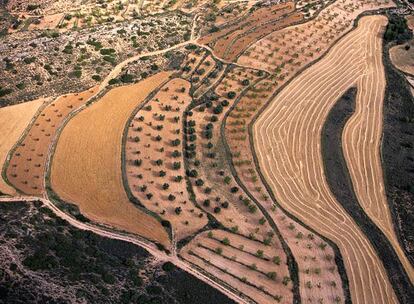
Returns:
<point x="151" y="248"/>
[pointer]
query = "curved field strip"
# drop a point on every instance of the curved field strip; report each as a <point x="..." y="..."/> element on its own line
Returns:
<point x="233" y="40"/>
<point x="26" y="168"/>
<point x="286" y="51"/>
<point x="310" y="251"/>
<point x="233" y="259"/>
<point x="86" y="167"/>
<point x="240" y="44"/>
<point x="361" y="144"/>
<point x="410" y="21"/>
<point x="287" y="138"/>
<point x="152" y="167"/>
<point x="13" y="121"/>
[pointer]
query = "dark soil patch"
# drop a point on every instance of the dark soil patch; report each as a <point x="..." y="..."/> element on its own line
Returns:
<point x="398" y="153"/>
<point x="45" y="260"/>
<point x="341" y="186"/>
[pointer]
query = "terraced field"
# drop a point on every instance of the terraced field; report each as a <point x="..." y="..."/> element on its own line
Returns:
<point x="231" y="41"/>
<point x="245" y="147"/>
<point x="249" y="267"/>
<point x="26" y="167"/>
<point x="91" y="178"/>
<point x="13" y="121"/>
<point x="306" y="194"/>
<point x="155" y="163"/>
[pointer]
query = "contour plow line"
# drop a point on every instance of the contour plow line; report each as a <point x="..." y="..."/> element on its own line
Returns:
<point x="361" y="145"/>
<point x="294" y="120"/>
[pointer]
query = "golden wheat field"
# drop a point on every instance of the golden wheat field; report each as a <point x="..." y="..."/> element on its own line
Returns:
<point x="306" y="193"/>
<point x="86" y="169"/>
<point x="13" y="121"/>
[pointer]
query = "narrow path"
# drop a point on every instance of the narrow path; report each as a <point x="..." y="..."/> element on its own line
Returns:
<point x="118" y="69"/>
<point x="151" y="248"/>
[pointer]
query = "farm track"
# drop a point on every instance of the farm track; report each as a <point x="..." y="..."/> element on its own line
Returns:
<point x="296" y="176"/>
<point x="107" y="231"/>
<point x="151" y="248"/>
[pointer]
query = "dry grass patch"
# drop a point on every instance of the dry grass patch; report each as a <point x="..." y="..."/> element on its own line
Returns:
<point x="402" y="56"/>
<point x="13" y="121"/>
<point x="86" y="167"/>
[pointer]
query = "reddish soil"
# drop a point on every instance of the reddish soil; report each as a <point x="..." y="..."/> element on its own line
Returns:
<point x="246" y="265"/>
<point x="150" y="153"/>
<point x="26" y="170"/>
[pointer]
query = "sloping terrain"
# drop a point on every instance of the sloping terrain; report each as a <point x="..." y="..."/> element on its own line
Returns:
<point x="262" y="147"/>
<point x="61" y="264"/>
<point x="91" y="177"/>
<point x="13" y="121"/>
<point x="26" y="168"/>
<point x="306" y="194"/>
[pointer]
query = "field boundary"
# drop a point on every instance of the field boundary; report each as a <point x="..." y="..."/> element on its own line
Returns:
<point x="128" y="191"/>
<point x="389" y="67"/>
<point x="49" y="192"/>
<point x="338" y="256"/>
<point x="292" y="264"/>
<point x="347" y="198"/>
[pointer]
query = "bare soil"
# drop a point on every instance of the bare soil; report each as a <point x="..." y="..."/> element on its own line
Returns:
<point x="26" y="168"/>
<point x="150" y="138"/>
<point x="91" y="178"/>
<point x="13" y="121"/>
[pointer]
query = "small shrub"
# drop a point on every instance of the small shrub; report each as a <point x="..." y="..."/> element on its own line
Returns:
<point x="276" y="260"/>
<point x="285" y="280"/>
<point x="234" y="189"/>
<point x="168" y="266"/>
<point x="271" y="275"/>
<point x="231" y="94"/>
